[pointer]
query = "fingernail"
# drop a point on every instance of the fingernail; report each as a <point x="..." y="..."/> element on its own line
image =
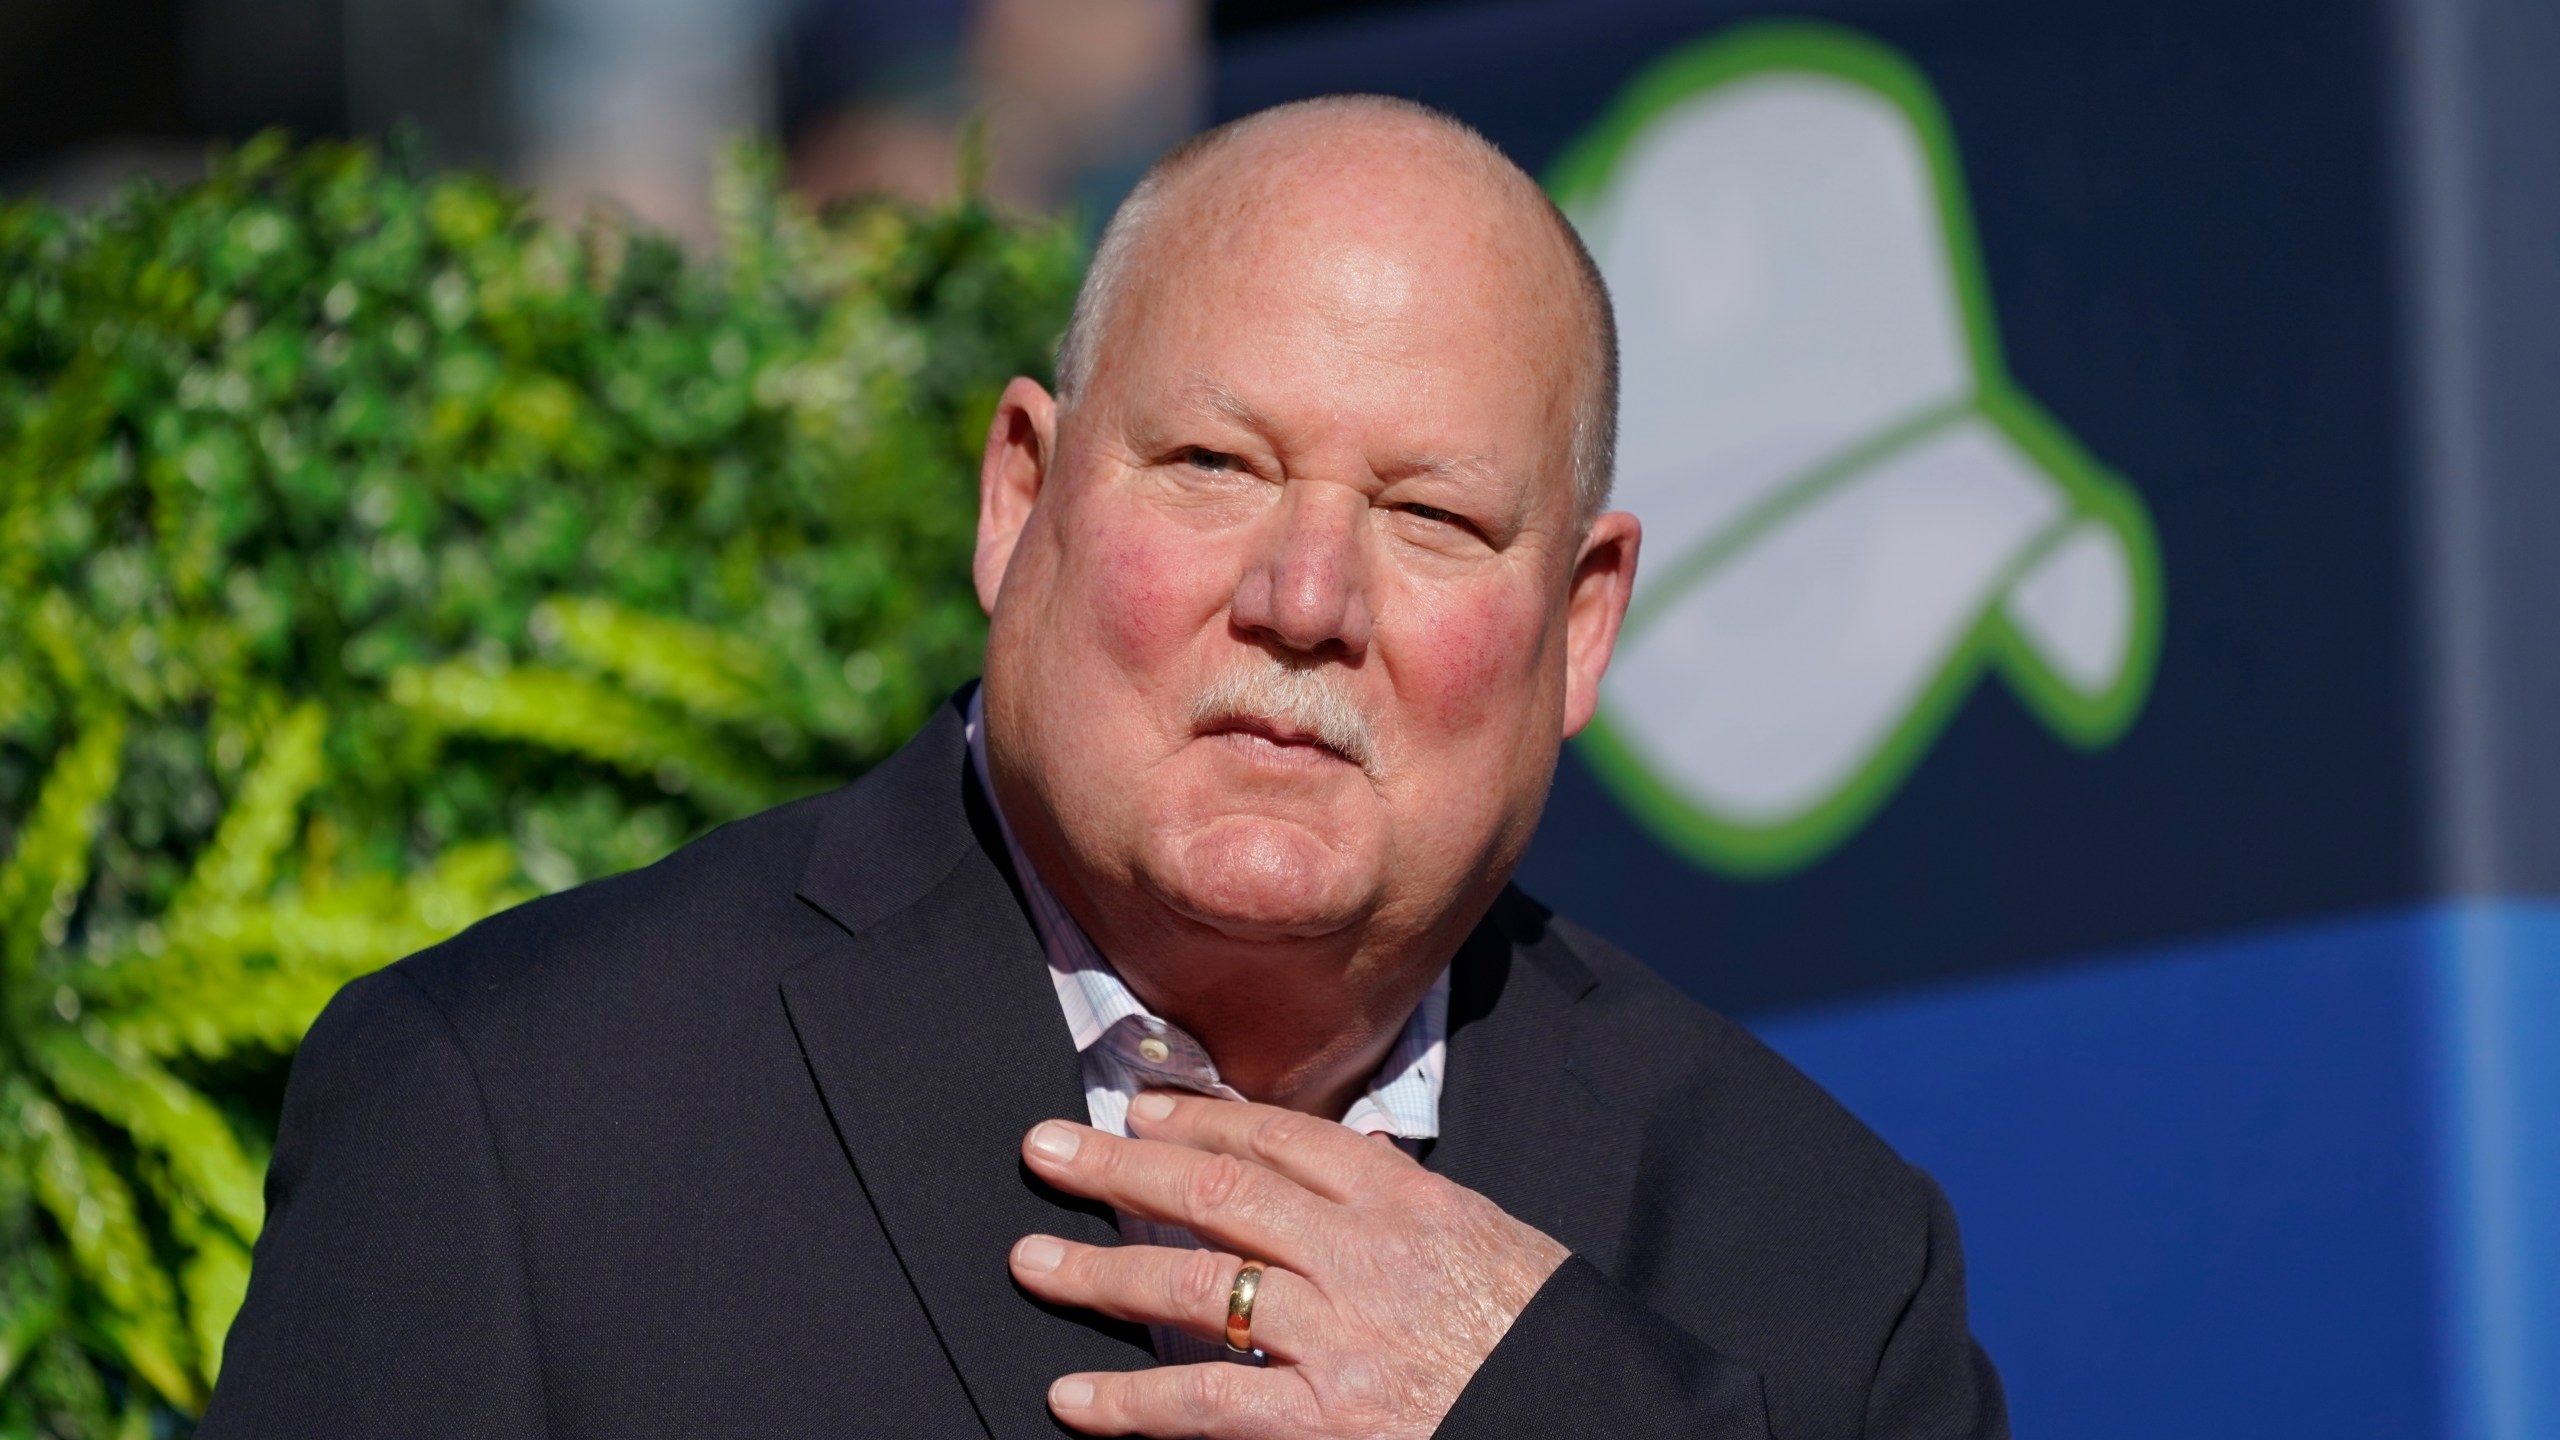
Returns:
<point x="1055" y="1141"/>
<point x="1071" y="1394"/>
<point x="1039" y="1254"/>
<point x="1151" y="1106"/>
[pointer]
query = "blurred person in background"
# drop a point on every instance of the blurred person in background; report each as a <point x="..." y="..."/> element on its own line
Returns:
<point x="1069" y="98"/>
<point x="625" y="103"/>
<point x="1075" y="96"/>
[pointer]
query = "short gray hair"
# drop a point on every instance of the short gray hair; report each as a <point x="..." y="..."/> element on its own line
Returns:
<point x="1595" y="421"/>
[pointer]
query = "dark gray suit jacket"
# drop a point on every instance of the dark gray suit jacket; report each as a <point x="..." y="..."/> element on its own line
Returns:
<point x="728" y="1146"/>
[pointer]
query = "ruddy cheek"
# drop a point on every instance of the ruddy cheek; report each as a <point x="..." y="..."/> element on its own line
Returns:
<point x="1151" y="593"/>
<point x="1479" y="664"/>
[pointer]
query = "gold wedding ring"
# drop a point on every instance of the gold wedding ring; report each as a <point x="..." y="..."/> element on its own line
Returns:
<point x="1240" y="1307"/>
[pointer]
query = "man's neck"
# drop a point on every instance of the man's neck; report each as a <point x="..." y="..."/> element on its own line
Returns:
<point x="1285" y="1029"/>
<point x="1301" y="1022"/>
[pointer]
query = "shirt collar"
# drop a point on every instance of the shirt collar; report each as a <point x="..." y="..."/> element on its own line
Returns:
<point x="1402" y="1099"/>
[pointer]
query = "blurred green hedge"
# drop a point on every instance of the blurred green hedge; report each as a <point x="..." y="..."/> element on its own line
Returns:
<point x="374" y="555"/>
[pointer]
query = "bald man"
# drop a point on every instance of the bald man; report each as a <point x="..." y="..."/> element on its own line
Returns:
<point x="1155" y="1045"/>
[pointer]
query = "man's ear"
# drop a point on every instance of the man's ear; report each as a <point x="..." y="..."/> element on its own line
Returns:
<point x="1022" y="440"/>
<point x="1604" y="576"/>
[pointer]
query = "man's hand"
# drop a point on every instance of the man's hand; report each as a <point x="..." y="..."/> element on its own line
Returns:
<point x="1387" y="1285"/>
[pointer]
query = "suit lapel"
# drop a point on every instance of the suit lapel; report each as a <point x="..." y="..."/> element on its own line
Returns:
<point x="933" y="1033"/>
<point x="1520" y="1122"/>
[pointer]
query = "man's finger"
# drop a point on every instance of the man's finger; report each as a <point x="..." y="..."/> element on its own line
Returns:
<point x="1335" y="1161"/>
<point x="1154" y="1285"/>
<point x="1215" y="1401"/>
<point x="1225" y="1201"/>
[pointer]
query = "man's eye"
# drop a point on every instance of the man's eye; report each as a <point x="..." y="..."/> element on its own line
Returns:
<point x="1216" y="462"/>
<point x="1437" y="515"/>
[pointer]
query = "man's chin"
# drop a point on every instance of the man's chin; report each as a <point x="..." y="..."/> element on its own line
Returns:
<point x="1261" y="880"/>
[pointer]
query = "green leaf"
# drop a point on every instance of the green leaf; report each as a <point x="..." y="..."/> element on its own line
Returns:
<point x="45" y="872"/>
<point x="713" y="674"/>
<point x="100" y="1220"/>
<point x="571" y="713"/>
<point x="259" y="974"/>
<point x="215" y="1280"/>
<point x="162" y="1114"/>
<point x="240" y="860"/>
<point x="30" y="1318"/>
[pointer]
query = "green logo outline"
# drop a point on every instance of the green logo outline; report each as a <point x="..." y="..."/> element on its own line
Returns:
<point x="2086" y="722"/>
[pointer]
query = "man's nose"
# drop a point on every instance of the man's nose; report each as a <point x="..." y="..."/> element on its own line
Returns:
<point x="1308" y="586"/>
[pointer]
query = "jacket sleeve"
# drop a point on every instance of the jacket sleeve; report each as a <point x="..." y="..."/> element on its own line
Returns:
<point x="1934" y="1382"/>
<point x="388" y="1296"/>
<point x="1590" y="1359"/>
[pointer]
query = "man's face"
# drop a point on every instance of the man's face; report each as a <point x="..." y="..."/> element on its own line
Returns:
<point x="1285" y="613"/>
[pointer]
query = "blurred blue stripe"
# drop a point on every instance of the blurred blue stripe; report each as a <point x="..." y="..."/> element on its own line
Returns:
<point x="2304" y="1182"/>
<point x="2498" y="966"/>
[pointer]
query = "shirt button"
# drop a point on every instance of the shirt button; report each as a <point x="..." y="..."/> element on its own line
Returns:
<point x="1154" y="1051"/>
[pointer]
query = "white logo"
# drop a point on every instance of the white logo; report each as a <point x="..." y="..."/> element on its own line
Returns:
<point x="1850" y="510"/>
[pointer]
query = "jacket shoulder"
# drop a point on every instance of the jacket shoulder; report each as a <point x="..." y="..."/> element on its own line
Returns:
<point x="715" y="910"/>
<point x="1717" y="1097"/>
<point x="1794" y="1239"/>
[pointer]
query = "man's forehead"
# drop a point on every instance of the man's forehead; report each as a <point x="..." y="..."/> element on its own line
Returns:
<point x="1352" y="155"/>
<point x="1375" y="210"/>
<point x="1243" y="334"/>
<point x="1208" y="392"/>
<point x="1414" y="452"/>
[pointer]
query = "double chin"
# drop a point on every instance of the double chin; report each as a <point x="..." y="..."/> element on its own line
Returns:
<point x="1253" y="877"/>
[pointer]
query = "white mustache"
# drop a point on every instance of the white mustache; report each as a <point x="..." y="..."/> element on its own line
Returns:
<point x="1311" y="700"/>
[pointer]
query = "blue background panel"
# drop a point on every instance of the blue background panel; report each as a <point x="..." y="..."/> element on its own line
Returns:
<point x="2301" y="1183"/>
